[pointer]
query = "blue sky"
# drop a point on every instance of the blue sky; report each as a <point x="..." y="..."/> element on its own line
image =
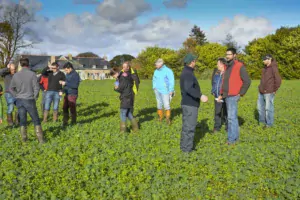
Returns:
<point x="203" y="13"/>
<point x="112" y="27"/>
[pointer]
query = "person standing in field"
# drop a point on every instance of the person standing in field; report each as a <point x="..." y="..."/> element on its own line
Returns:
<point x="126" y="67"/>
<point x="71" y="85"/>
<point x="124" y="85"/>
<point x="54" y="91"/>
<point x="25" y="88"/>
<point x="44" y="87"/>
<point x="269" y="84"/>
<point x="1" y="106"/>
<point x="7" y="74"/>
<point x="163" y="84"/>
<point x="220" y="106"/>
<point x="236" y="82"/>
<point x="190" y="102"/>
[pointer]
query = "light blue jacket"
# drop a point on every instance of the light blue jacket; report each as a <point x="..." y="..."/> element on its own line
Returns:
<point x="163" y="80"/>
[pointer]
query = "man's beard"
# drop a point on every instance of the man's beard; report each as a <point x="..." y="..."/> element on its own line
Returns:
<point x="228" y="61"/>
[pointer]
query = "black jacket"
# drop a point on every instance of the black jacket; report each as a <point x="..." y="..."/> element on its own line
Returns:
<point x="190" y="89"/>
<point x="53" y="80"/>
<point x="125" y="90"/>
<point x="135" y="77"/>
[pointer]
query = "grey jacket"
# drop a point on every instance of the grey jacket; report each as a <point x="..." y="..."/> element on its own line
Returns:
<point x="24" y="85"/>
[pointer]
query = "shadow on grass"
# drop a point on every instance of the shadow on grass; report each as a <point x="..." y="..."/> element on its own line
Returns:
<point x="201" y="130"/>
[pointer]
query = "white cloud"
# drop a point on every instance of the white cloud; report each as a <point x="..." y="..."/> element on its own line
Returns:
<point x="242" y="28"/>
<point x="87" y="32"/>
<point x="101" y="35"/>
<point x="122" y="10"/>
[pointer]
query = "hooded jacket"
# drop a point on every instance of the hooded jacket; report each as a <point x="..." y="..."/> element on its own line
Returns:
<point x="270" y="79"/>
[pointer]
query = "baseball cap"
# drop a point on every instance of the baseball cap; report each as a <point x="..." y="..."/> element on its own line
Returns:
<point x="189" y="58"/>
<point x="267" y="57"/>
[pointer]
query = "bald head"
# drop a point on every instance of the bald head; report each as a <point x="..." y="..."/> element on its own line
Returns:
<point x="12" y="68"/>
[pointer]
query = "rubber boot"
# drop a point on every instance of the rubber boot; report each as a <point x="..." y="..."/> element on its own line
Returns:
<point x="55" y="116"/>
<point x="168" y="117"/>
<point x="39" y="134"/>
<point x="65" y="118"/>
<point x="10" y="119"/>
<point x="23" y="132"/>
<point x="46" y="112"/>
<point x="160" y="115"/>
<point x="123" y="127"/>
<point x="17" y="121"/>
<point x="134" y="124"/>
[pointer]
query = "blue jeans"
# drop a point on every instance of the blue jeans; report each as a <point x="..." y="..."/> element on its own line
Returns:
<point x="124" y="113"/>
<point x="163" y="100"/>
<point x="265" y="107"/>
<point x="52" y="96"/>
<point x="27" y="105"/>
<point x="10" y="100"/>
<point x="232" y="117"/>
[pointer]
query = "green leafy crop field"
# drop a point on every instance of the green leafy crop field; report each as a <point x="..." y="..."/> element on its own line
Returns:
<point x="92" y="160"/>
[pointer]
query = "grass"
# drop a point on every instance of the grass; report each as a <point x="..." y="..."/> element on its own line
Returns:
<point x="92" y="160"/>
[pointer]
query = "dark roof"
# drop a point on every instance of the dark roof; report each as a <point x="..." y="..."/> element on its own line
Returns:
<point x="99" y="63"/>
<point x="75" y="64"/>
<point x="37" y="62"/>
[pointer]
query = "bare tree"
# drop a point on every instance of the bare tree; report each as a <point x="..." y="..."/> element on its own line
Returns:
<point x="14" y="28"/>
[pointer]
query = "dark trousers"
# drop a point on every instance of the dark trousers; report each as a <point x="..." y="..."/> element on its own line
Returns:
<point x="220" y="115"/>
<point x="189" y="123"/>
<point x="70" y="104"/>
<point x="27" y="106"/>
<point x="132" y="109"/>
<point x="43" y="101"/>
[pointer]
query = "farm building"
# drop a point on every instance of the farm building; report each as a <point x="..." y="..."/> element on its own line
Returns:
<point x="88" y="68"/>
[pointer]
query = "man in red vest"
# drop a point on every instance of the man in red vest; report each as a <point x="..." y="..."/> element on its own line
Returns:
<point x="235" y="85"/>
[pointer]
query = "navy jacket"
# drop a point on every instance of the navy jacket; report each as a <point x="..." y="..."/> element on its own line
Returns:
<point x="72" y="83"/>
<point x="217" y="83"/>
<point x="190" y="89"/>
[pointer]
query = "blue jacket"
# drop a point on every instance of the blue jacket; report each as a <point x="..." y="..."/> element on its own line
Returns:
<point x="72" y="83"/>
<point x="217" y="83"/>
<point x="163" y="80"/>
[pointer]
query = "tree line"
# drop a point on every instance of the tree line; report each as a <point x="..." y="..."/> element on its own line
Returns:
<point x="284" y="45"/>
